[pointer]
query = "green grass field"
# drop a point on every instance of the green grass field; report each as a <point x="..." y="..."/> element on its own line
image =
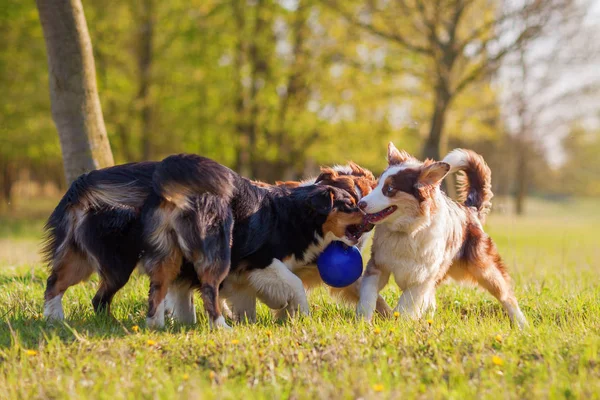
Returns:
<point x="468" y="350"/>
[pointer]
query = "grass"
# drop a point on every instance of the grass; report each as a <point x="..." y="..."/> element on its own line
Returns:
<point x="468" y="350"/>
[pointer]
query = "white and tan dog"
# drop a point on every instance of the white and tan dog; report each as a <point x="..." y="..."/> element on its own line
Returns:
<point x="423" y="237"/>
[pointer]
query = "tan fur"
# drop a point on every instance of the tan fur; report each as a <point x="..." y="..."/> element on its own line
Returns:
<point x="71" y="269"/>
<point x="337" y="222"/>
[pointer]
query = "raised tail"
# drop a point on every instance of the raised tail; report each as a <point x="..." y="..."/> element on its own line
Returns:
<point x="475" y="183"/>
<point x="178" y="178"/>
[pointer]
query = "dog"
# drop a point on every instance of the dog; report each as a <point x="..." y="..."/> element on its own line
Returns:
<point x="201" y="209"/>
<point x="422" y="237"/>
<point x="112" y="218"/>
<point x="239" y="297"/>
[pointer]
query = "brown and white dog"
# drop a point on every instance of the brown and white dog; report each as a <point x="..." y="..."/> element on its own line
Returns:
<point x="423" y="237"/>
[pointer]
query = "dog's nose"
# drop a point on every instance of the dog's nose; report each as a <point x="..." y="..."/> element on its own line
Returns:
<point x="362" y="204"/>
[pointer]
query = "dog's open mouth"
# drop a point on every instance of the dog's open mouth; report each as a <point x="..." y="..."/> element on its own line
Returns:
<point x="379" y="216"/>
<point x="354" y="232"/>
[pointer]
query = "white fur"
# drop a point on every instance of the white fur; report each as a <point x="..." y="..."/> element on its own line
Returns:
<point x="376" y="200"/>
<point x="413" y="250"/>
<point x="179" y="303"/>
<point x="53" y="309"/>
<point x="279" y="289"/>
<point x="458" y="159"/>
<point x="239" y="298"/>
<point x="218" y="323"/>
<point x="158" y="320"/>
<point x="369" y="289"/>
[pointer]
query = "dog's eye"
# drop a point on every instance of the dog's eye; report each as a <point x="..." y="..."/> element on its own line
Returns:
<point x="390" y="189"/>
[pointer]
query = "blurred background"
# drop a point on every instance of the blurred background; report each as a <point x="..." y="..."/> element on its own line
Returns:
<point x="274" y="89"/>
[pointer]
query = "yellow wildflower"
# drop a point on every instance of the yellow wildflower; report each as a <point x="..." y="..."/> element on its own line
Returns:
<point x="378" y="387"/>
<point x="235" y="341"/>
<point x="31" y="352"/>
<point x="496" y="360"/>
<point x="499" y="338"/>
<point x="151" y="342"/>
<point x="135" y="328"/>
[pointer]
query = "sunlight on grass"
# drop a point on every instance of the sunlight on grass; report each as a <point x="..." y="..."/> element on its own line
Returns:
<point x="468" y="349"/>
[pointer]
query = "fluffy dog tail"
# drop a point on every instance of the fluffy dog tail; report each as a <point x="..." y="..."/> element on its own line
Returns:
<point x="178" y="178"/>
<point x="475" y="183"/>
<point x="121" y="189"/>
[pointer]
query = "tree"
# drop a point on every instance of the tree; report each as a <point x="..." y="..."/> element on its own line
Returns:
<point x="459" y="41"/>
<point x="544" y="94"/>
<point x="74" y="97"/>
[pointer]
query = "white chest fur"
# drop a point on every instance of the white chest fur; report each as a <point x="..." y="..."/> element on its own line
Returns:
<point x="416" y="257"/>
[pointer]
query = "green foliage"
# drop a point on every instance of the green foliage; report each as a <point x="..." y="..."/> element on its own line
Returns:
<point x="291" y="84"/>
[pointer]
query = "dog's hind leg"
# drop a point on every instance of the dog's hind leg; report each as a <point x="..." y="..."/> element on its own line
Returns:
<point x="161" y="273"/>
<point x="68" y="269"/>
<point x="204" y="234"/>
<point x="110" y="284"/>
<point x="493" y="278"/>
<point x="417" y="300"/>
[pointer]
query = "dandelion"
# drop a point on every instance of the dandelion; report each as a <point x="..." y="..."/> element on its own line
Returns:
<point x="377" y="331"/>
<point x="378" y="387"/>
<point x="496" y="360"/>
<point x="430" y="321"/>
<point x="396" y="314"/>
<point x="31" y="352"/>
<point x="268" y="333"/>
<point x="499" y="338"/>
<point x="392" y="330"/>
<point x="186" y="377"/>
<point x="235" y="341"/>
<point x="135" y="328"/>
<point x="151" y="342"/>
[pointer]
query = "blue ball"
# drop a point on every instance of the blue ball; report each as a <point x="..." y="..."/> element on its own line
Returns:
<point x="340" y="265"/>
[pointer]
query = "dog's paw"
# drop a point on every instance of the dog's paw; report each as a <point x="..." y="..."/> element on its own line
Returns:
<point x="219" y="323"/>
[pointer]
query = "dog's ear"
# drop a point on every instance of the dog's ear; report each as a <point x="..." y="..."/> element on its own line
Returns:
<point x="327" y="174"/>
<point x="395" y="156"/>
<point x="322" y="200"/>
<point x="433" y="174"/>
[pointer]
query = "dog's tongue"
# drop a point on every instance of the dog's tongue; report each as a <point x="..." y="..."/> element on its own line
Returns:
<point x="366" y="226"/>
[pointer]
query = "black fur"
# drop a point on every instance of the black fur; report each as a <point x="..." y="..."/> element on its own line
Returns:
<point x="226" y="220"/>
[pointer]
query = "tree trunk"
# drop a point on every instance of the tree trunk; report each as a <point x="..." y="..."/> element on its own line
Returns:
<point x="145" y="58"/>
<point x="521" y="180"/>
<point x="433" y="143"/>
<point x="74" y="98"/>
<point x="243" y="158"/>
<point x="8" y="177"/>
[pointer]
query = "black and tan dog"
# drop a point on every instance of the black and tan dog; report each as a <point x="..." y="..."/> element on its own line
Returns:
<point x="241" y="288"/>
<point x="190" y="208"/>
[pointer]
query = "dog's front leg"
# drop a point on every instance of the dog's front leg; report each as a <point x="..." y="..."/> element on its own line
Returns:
<point x="179" y="303"/>
<point x="417" y="300"/>
<point x="279" y="289"/>
<point x="373" y="281"/>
